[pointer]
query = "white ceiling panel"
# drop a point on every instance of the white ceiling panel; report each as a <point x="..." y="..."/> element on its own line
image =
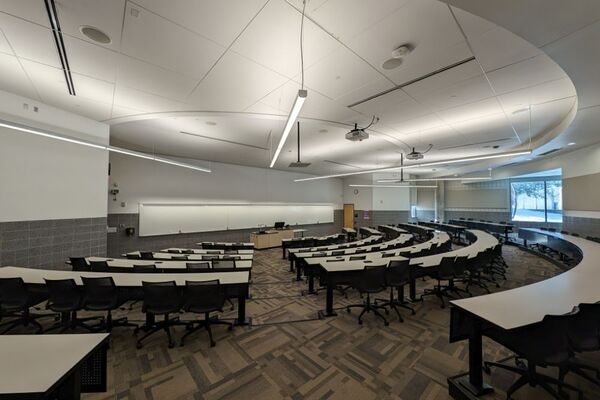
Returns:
<point x="538" y="94"/>
<point x="526" y="73"/>
<point x="365" y="91"/>
<point x="465" y="92"/>
<point x="33" y="11"/>
<point x="336" y="15"/>
<point x="221" y="21"/>
<point x="29" y="40"/>
<point x="136" y="99"/>
<point x="158" y="41"/>
<point x="471" y="111"/>
<point x="340" y="73"/>
<point x="443" y="80"/>
<point x="418" y="125"/>
<point x="273" y="40"/>
<point x="91" y="60"/>
<point x="13" y="78"/>
<point x="235" y="84"/>
<point x="152" y="79"/>
<point x="106" y="15"/>
<point x="433" y="48"/>
<point x="4" y="46"/>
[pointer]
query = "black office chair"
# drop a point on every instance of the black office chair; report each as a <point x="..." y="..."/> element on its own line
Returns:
<point x="79" y="264"/>
<point x="160" y="298"/>
<point x="213" y="252"/>
<point x="98" y="266"/>
<point x="228" y="264"/>
<point x="187" y="251"/>
<point x="338" y="252"/>
<point x="179" y="258"/>
<point x="357" y="258"/>
<point x="147" y="255"/>
<point x="173" y="251"/>
<point x="133" y="256"/>
<point x="197" y="266"/>
<point x="204" y="298"/>
<point x="583" y="332"/>
<point x="144" y="268"/>
<point x="443" y="272"/>
<point x="101" y="294"/>
<point x="387" y="255"/>
<point x="15" y="302"/>
<point x="64" y="297"/>
<point x="371" y="281"/>
<point x="545" y="344"/>
<point x="210" y="257"/>
<point x="360" y="251"/>
<point x="397" y="275"/>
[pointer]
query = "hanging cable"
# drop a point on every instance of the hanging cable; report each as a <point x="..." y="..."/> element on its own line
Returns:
<point x="301" y="42"/>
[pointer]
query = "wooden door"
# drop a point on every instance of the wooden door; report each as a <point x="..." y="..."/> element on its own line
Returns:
<point x="348" y="215"/>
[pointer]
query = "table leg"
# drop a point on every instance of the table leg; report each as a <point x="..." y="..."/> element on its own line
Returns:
<point x="311" y="281"/>
<point x="475" y="385"/>
<point x="329" y="301"/>
<point x="241" y="318"/>
<point x="298" y="272"/>
<point x="283" y="249"/>
<point x="70" y="389"/>
<point x="412" y="288"/>
<point x="291" y="265"/>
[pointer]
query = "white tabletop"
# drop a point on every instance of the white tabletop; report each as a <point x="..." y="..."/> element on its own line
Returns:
<point x="442" y="224"/>
<point x="370" y="230"/>
<point x="555" y="296"/>
<point x="205" y="251"/>
<point x="34" y="363"/>
<point x="331" y="264"/>
<point x="483" y="242"/>
<point x="355" y="243"/>
<point x="300" y="230"/>
<point x="403" y="238"/>
<point x="349" y="230"/>
<point x="176" y="264"/>
<point x="194" y="257"/>
<point x="37" y="276"/>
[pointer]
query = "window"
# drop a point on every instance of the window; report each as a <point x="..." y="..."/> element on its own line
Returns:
<point x="538" y="200"/>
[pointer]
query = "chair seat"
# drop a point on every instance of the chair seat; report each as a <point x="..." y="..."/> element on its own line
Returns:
<point x="200" y="309"/>
<point x="162" y="310"/>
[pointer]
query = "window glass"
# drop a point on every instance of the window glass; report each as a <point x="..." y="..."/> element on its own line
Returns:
<point x="554" y="200"/>
<point x="536" y="201"/>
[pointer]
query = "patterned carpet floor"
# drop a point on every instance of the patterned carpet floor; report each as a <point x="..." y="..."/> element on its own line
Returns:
<point x="288" y="353"/>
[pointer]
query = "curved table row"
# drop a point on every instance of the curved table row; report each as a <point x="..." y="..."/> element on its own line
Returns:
<point x="454" y="230"/>
<point x="526" y="305"/>
<point x="207" y="251"/>
<point x="390" y="231"/>
<point x="226" y="245"/>
<point x="192" y="257"/>
<point x="357" y="243"/>
<point x="235" y="283"/>
<point x="316" y="241"/>
<point x="333" y="271"/>
<point x="495" y="227"/>
<point x="126" y="264"/>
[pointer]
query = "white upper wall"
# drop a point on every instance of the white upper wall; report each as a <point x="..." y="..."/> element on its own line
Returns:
<point x="44" y="178"/>
<point x="145" y="181"/>
<point x="381" y="199"/>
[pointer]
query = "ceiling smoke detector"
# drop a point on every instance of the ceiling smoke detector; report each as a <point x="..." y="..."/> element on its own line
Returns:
<point x="94" y="34"/>
<point x="401" y="51"/>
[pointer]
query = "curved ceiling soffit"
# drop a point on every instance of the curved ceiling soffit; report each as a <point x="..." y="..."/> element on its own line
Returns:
<point x="237" y="114"/>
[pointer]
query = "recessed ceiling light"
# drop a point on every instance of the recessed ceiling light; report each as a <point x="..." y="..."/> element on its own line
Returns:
<point x="211" y="123"/>
<point x="401" y="51"/>
<point x="94" y="34"/>
<point x="392" y="63"/>
<point x="571" y="144"/>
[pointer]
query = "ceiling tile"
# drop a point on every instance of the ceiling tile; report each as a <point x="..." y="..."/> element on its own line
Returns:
<point x="105" y="15"/>
<point x="91" y="60"/>
<point x="33" y="11"/>
<point x="273" y="40"/>
<point x="340" y="74"/>
<point x="13" y="79"/>
<point x="235" y="84"/>
<point x="463" y="92"/>
<point x="156" y="40"/>
<point x="526" y="73"/>
<point x="541" y="93"/>
<point x="136" y="99"/>
<point x="152" y="79"/>
<point x="221" y="21"/>
<point x="4" y="46"/>
<point x="30" y="41"/>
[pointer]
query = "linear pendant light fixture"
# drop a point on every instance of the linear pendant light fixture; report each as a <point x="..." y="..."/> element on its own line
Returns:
<point x="300" y="98"/>
<point x="50" y="135"/>
<point x="482" y="178"/>
<point x="397" y="186"/>
<point x="418" y="165"/>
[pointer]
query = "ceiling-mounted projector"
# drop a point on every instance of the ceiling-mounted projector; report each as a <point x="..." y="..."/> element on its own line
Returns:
<point x="414" y="155"/>
<point x="357" y="134"/>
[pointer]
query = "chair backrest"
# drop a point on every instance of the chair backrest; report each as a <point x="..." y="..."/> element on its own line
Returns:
<point x="230" y="264"/>
<point x="147" y="255"/>
<point x="174" y="251"/>
<point x="213" y="252"/>
<point x="460" y="265"/>
<point x="210" y="257"/>
<point x="321" y="254"/>
<point x="206" y="245"/>
<point x="547" y="342"/>
<point x="79" y="264"/>
<point x="356" y="258"/>
<point x="386" y="255"/>
<point x="179" y="258"/>
<point x="372" y="280"/>
<point x="144" y="268"/>
<point x="203" y="296"/>
<point x="446" y="267"/>
<point x="63" y="293"/>
<point x="133" y="256"/>
<point x="398" y="273"/>
<point x="575" y="234"/>
<point x="337" y="252"/>
<point x="199" y="266"/>
<point x="360" y="251"/>
<point x="99" y="266"/>
<point x="13" y="293"/>
<point x="584" y="330"/>
<point x="99" y="292"/>
<point x="375" y="248"/>
<point x="161" y="297"/>
<point x="187" y="251"/>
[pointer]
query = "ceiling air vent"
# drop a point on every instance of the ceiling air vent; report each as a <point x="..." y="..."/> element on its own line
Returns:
<point x="548" y="152"/>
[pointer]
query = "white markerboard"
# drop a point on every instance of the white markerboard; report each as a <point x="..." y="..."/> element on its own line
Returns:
<point x="166" y="219"/>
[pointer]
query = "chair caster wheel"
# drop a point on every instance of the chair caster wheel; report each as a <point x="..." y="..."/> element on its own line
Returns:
<point x="360" y="322"/>
<point x="347" y="310"/>
<point x="413" y="312"/>
<point x="138" y="346"/>
<point x="171" y="345"/>
<point x="212" y="344"/>
<point x="181" y="344"/>
<point x="188" y="327"/>
<point x="387" y="323"/>
<point x="230" y="328"/>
